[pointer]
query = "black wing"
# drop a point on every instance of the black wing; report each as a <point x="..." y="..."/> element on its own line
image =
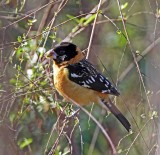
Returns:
<point x="84" y="74"/>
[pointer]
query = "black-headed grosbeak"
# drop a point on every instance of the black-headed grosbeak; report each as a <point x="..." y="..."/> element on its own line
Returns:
<point x="76" y="79"/>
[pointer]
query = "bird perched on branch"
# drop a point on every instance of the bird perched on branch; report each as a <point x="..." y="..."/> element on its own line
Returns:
<point x="76" y="79"/>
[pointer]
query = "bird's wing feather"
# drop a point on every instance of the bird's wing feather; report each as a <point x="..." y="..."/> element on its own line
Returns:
<point x="84" y="74"/>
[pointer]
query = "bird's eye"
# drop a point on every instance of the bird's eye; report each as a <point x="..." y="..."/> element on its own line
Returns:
<point x="61" y="52"/>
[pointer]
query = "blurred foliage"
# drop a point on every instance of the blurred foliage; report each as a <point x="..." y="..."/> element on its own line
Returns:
<point x="35" y="119"/>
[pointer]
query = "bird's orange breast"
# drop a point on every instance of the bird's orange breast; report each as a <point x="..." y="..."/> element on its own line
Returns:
<point x="65" y="87"/>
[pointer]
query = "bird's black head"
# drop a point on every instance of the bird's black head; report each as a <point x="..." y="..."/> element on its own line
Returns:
<point x="63" y="52"/>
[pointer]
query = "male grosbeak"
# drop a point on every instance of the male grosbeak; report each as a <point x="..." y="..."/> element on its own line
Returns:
<point x="76" y="79"/>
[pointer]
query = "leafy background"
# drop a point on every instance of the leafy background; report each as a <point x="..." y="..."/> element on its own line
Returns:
<point x="122" y="40"/>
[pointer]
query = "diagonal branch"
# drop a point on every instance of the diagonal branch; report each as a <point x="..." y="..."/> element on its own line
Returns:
<point x="132" y="65"/>
<point x="98" y="124"/>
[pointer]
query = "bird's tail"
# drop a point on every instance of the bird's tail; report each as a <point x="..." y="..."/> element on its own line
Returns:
<point x="115" y="111"/>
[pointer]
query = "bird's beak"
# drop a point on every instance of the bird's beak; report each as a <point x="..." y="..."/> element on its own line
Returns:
<point x="51" y="54"/>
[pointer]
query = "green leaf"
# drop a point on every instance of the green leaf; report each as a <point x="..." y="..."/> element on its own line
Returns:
<point x="19" y="39"/>
<point x="76" y="121"/>
<point x="119" y="151"/>
<point x="90" y="19"/>
<point x="57" y="152"/>
<point x="18" y="68"/>
<point x="75" y="19"/>
<point x="137" y="52"/>
<point x="24" y="36"/>
<point x="123" y="6"/>
<point x="12" y="117"/>
<point x="12" y="81"/>
<point x="31" y="21"/>
<point x="100" y="11"/>
<point x="25" y="142"/>
<point x="82" y="20"/>
<point x="119" y="32"/>
<point x="154" y="114"/>
<point x="52" y="36"/>
<point x="158" y="13"/>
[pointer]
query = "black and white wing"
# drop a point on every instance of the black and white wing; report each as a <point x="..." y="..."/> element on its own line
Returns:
<point x="84" y="74"/>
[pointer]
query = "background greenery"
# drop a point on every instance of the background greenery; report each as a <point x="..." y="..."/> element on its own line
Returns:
<point x="34" y="119"/>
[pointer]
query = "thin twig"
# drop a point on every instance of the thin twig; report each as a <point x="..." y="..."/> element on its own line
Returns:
<point x="98" y="124"/>
<point x="53" y="128"/>
<point x="78" y="28"/>
<point x="33" y="37"/>
<point x="53" y="19"/>
<point x="54" y="2"/>
<point x="93" y="29"/>
<point x="96" y="132"/>
<point x="139" y="133"/>
<point x="44" y="18"/>
<point x="57" y="140"/>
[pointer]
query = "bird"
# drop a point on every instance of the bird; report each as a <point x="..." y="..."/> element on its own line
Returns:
<point x="76" y="79"/>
